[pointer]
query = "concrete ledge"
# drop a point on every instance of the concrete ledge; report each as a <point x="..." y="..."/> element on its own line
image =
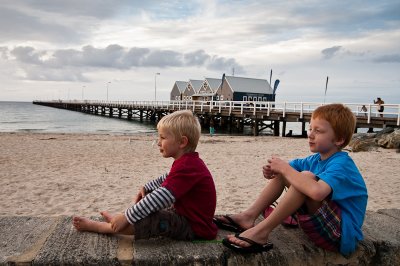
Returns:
<point x="53" y="241"/>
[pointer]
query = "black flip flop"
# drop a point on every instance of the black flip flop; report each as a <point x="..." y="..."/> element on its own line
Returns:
<point x="231" y="225"/>
<point x="253" y="248"/>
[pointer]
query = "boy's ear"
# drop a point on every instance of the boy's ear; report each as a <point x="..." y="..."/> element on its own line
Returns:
<point x="339" y="142"/>
<point x="184" y="142"/>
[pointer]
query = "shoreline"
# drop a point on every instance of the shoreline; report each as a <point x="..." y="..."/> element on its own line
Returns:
<point x="51" y="174"/>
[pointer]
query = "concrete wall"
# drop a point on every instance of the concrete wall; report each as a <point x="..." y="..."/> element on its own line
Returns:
<point x="53" y="241"/>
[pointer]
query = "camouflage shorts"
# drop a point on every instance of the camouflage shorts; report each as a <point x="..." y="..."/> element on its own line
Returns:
<point x="165" y="223"/>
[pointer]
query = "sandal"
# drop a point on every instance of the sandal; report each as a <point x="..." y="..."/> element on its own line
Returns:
<point x="231" y="225"/>
<point x="253" y="248"/>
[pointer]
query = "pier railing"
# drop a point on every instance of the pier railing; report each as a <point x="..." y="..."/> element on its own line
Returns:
<point x="391" y="111"/>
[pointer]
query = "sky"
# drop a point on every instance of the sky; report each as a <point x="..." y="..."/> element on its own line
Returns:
<point x="113" y="49"/>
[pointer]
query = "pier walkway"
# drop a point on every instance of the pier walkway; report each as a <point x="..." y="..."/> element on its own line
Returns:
<point x="232" y="115"/>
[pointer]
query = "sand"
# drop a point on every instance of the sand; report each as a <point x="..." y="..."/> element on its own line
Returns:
<point x="67" y="174"/>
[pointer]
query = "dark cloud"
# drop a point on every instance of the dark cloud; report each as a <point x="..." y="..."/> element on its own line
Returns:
<point x="134" y="57"/>
<point x="17" y="25"/>
<point x="328" y="53"/>
<point x="390" y="58"/>
<point x="225" y="64"/>
<point x="111" y="57"/>
<point x="28" y="55"/>
<point x="196" y="58"/>
<point x="163" y="58"/>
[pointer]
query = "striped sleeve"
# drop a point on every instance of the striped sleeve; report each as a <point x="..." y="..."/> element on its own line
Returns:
<point x="160" y="198"/>
<point x="156" y="183"/>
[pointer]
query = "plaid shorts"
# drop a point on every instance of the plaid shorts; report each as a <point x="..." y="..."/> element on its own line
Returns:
<point x="164" y="223"/>
<point x="324" y="226"/>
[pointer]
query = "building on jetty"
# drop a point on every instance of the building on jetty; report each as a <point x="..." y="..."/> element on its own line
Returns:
<point x="228" y="88"/>
<point x="244" y="89"/>
<point x="177" y="90"/>
<point x="232" y="116"/>
<point x="208" y="90"/>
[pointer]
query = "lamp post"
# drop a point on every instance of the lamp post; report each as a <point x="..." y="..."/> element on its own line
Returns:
<point x="83" y="87"/>
<point x="155" y="86"/>
<point x="107" y="89"/>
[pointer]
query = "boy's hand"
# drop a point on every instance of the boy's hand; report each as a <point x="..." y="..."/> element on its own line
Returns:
<point x="277" y="165"/>
<point x="119" y="222"/>
<point x="141" y="194"/>
<point x="267" y="172"/>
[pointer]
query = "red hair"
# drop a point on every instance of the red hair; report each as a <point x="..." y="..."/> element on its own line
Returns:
<point x="341" y="119"/>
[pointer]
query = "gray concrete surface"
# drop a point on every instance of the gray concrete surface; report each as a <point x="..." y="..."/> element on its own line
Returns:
<point x="53" y="241"/>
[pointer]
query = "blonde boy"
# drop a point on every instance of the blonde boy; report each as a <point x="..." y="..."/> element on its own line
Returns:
<point x="326" y="190"/>
<point x="180" y="204"/>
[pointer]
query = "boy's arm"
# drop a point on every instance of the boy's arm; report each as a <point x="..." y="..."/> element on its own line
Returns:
<point x="149" y="187"/>
<point x="317" y="190"/>
<point x="156" y="183"/>
<point x="158" y="199"/>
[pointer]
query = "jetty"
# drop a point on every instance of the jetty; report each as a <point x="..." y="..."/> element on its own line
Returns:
<point x="233" y="116"/>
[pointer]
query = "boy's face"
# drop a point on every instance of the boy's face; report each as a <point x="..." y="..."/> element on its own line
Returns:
<point x="322" y="139"/>
<point x="169" y="146"/>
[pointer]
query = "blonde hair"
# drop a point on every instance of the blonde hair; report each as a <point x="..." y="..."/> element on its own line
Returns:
<point x="182" y="123"/>
<point x="341" y="119"/>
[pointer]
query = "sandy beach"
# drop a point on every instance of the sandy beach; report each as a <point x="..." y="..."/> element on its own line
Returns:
<point x="67" y="174"/>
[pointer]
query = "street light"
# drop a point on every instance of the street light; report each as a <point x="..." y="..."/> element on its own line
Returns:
<point x="107" y="89"/>
<point x="83" y="87"/>
<point x="155" y="86"/>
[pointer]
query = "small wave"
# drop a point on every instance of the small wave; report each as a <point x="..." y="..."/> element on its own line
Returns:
<point x="30" y="129"/>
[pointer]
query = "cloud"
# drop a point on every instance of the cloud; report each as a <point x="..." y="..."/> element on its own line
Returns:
<point x="111" y="57"/>
<point x="328" y="53"/>
<point x="75" y="21"/>
<point x="390" y="58"/>
<point x="37" y="73"/>
<point x="28" y="55"/>
<point x="4" y="52"/>
<point x="198" y="57"/>
<point x="17" y="25"/>
<point x="162" y="58"/>
<point x="220" y="63"/>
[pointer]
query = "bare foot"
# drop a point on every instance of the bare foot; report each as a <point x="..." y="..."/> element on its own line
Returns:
<point x="241" y="219"/>
<point x="83" y="224"/>
<point x="107" y="216"/>
<point x="86" y="224"/>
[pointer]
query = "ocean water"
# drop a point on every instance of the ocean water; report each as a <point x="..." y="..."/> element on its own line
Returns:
<point x="28" y="117"/>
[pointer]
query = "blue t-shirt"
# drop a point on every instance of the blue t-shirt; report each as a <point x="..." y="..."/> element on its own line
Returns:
<point x="348" y="191"/>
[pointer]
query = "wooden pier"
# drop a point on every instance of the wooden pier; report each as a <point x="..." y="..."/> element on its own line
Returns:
<point x="232" y="116"/>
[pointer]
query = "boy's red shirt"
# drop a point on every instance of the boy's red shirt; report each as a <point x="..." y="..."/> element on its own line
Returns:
<point x="193" y="187"/>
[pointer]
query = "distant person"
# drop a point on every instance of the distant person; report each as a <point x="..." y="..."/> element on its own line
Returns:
<point x="212" y="129"/>
<point x="325" y="190"/>
<point x="380" y="103"/>
<point x="364" y="110"/>
<point x="180" y="204"/>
